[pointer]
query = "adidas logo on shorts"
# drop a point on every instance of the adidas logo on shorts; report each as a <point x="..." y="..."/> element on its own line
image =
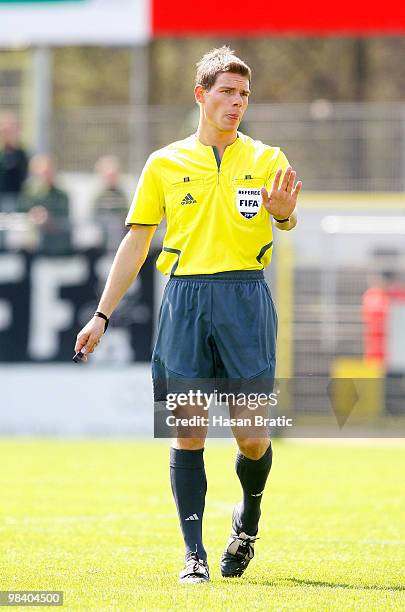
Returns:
<point x="189" y="199"/>
<point x="193" y="517"/>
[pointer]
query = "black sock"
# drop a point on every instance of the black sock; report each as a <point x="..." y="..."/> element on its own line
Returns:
<point x="252" y="474"/>
<point x="189" y="486"/>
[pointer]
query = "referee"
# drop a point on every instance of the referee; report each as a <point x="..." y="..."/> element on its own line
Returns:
<point x="221" y="191"/>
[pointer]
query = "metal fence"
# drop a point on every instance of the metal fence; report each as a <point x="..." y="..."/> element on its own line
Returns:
<point x="343" y="245"/>
<point x="10" y="88"/>
<point x="334" y="146"/>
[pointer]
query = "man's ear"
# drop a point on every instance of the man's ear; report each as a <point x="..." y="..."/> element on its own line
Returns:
<point x="199" y="92"/>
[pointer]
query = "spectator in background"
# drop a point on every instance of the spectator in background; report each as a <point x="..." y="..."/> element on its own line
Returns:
<point x="13" y="163"/>
<point x="384" y="290"/>
<point x="47" y="206"/>
<point x="110" y="206"/>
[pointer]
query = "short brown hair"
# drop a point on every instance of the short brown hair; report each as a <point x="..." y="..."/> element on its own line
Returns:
<point x="216" y="61"/>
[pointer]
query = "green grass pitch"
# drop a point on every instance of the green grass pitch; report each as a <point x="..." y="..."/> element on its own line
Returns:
<point x="96" y="520"/>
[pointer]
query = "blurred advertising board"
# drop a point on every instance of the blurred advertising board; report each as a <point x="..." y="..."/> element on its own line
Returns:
<point x="45" y="300"/>
<point x="345" y="17"/>
<point x="134" y="22"/>
<point x="74" y="22"/>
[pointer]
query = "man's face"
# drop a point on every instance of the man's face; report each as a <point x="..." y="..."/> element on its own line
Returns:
<point x="8" y="130"/>
<point x="42" y="169"/>
<point x="224" y="105"/>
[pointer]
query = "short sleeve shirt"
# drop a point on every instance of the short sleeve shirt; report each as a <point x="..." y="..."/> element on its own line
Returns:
<point x="214" y="213"/>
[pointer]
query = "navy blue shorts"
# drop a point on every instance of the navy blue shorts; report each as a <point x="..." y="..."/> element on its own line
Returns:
<point x="215" y="326"/>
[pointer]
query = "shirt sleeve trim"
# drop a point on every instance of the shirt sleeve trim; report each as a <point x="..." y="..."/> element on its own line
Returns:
<point x="145" y="224"/>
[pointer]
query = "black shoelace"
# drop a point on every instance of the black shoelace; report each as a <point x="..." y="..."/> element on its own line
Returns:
<point x="247" y="545"/>
<point x="198" y="564"/>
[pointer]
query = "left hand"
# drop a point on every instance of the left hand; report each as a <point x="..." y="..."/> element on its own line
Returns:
<point x="38" y="215"/>
<point x="282" y="200"/>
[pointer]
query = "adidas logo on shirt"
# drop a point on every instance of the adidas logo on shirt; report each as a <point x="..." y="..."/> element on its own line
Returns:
<point x="193" y="517"/>
<point x="189" y="199"/>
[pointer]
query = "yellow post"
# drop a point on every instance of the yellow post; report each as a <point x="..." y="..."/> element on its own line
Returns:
<point x="285" y="305"/>
<point x="285" y="310"/>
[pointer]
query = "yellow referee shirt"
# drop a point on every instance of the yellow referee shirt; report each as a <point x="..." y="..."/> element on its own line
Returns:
<point x="215" y="218"/>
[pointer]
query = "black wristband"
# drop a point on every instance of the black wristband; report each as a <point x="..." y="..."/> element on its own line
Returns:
<point x="102" y="316"/>
<point x="281" y="220"/>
